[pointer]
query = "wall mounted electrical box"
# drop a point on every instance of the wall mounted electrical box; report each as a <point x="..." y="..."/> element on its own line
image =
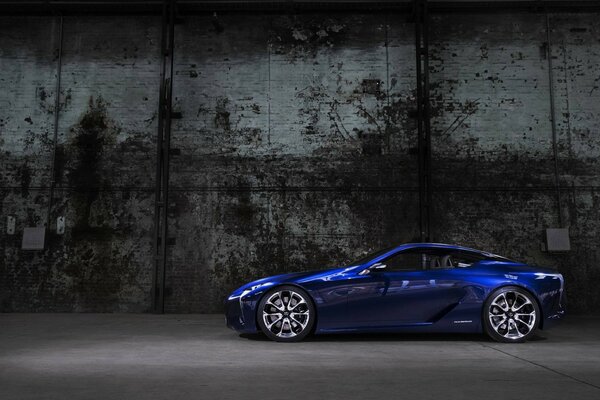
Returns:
<point x="33" y="238"/>
<point x="60" y="225"/>
<point x="557" y="239"/>
<point x="11" y="223"/>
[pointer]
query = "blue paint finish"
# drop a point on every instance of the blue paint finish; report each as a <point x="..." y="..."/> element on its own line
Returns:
<point x="429" y="300"/>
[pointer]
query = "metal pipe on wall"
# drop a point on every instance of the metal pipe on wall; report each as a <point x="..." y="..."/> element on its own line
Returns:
<point x="553" y="119"/>
<point x="423" y="118"/>
<point x="162" y="163"/>
<point x="56" y="120"/>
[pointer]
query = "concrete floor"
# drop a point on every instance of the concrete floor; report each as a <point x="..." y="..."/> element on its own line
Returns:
<point x="108" y="356"/>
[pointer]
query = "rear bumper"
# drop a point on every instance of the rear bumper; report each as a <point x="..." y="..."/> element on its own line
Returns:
<point x="556" y="308"/>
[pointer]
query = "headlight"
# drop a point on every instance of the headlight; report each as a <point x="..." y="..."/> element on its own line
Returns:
<point x="246" y="291"/>
<point x="253" y="288"/>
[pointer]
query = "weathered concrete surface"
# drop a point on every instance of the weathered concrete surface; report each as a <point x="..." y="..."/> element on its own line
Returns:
<point x="87" y="356"/>
<point x="295" y="150"/>
<point x="104" y="161"/>
<point x="492" y="139"/>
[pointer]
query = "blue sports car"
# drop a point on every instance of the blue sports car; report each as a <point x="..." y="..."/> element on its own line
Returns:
<point x="416" y="287"/>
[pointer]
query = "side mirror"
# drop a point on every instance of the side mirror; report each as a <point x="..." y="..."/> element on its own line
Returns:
<point x="374" y="267"/>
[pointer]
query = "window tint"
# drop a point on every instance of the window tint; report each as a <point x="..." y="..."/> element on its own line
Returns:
<point x="430" y="258"/>
<point x="405" y="261"/>
<point x="371" y="256"/>
<point x="456" y="259"/>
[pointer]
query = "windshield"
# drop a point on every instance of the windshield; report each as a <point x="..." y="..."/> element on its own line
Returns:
<point x="371" y="256"/>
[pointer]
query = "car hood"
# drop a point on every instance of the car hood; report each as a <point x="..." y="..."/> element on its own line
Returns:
<point x="294" y="277"/>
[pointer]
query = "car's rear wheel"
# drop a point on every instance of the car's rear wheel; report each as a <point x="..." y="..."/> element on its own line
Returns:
<point x="511" y="315"/>
<point x="286" y="314"/>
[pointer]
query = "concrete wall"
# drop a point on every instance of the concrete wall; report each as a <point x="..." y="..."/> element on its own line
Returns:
<point x="297" y="149"/>
<point x="104" y="161"/>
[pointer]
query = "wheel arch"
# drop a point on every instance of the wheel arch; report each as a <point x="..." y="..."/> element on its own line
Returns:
<point x="310" y="297"/>
<point x="520" y="286"/>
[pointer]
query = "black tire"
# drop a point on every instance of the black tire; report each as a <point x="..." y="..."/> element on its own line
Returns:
<point x="296" y="309"/>
<point x="511" y="315"/>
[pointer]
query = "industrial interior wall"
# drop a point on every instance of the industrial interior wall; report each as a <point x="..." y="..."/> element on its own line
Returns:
<point x="295" y="150"/>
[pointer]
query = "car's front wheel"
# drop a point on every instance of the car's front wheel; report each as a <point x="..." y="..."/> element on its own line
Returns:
<point x="511" y="315"/>
<point x="286" y="314"/>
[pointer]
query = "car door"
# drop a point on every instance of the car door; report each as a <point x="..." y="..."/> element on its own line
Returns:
<point x="409" y="291"/>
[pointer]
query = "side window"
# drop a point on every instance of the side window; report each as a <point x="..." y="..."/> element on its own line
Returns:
<point x="422" y="259"/>
<point x="463" y="259"/>
<point x="456" y="259"/>
<point x="407" y="261"/>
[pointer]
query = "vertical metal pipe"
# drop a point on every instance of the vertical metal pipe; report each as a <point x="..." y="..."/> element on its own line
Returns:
<point x="427" y="121"/>
<point x="418" y="35"/>
<point x="162" y="161"/>
<point x="158" y="175"/>
<point x="166" y="151"/>
<point x="553" y="119"/>
<point x="423" y="118"/>
<point x="56" y="115"/>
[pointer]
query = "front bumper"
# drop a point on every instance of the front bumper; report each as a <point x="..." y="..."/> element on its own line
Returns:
<point x="240" y="314"/>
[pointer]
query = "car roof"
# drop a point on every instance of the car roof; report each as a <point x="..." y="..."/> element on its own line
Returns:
<point x="446" y="246"/>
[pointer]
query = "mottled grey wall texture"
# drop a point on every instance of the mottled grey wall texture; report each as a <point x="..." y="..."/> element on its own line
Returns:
<point x="295" y="150"/>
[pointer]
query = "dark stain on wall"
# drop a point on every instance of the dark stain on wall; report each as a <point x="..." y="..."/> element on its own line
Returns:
<point x="222" y="114"/>
<point x="303" y="36"/>
<point x="373" y="87"/>
<point x="25" y="178"/>
<point x="88" y="141"/>
<point x="60" y="158"/>
<point x="372" y="143"/>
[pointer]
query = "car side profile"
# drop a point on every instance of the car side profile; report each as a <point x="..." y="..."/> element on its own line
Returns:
<point x="416" y="287"/>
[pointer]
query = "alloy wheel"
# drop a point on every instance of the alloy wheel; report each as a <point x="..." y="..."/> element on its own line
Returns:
<point x="512" y="315"/>
<point x="286" y="314"/>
